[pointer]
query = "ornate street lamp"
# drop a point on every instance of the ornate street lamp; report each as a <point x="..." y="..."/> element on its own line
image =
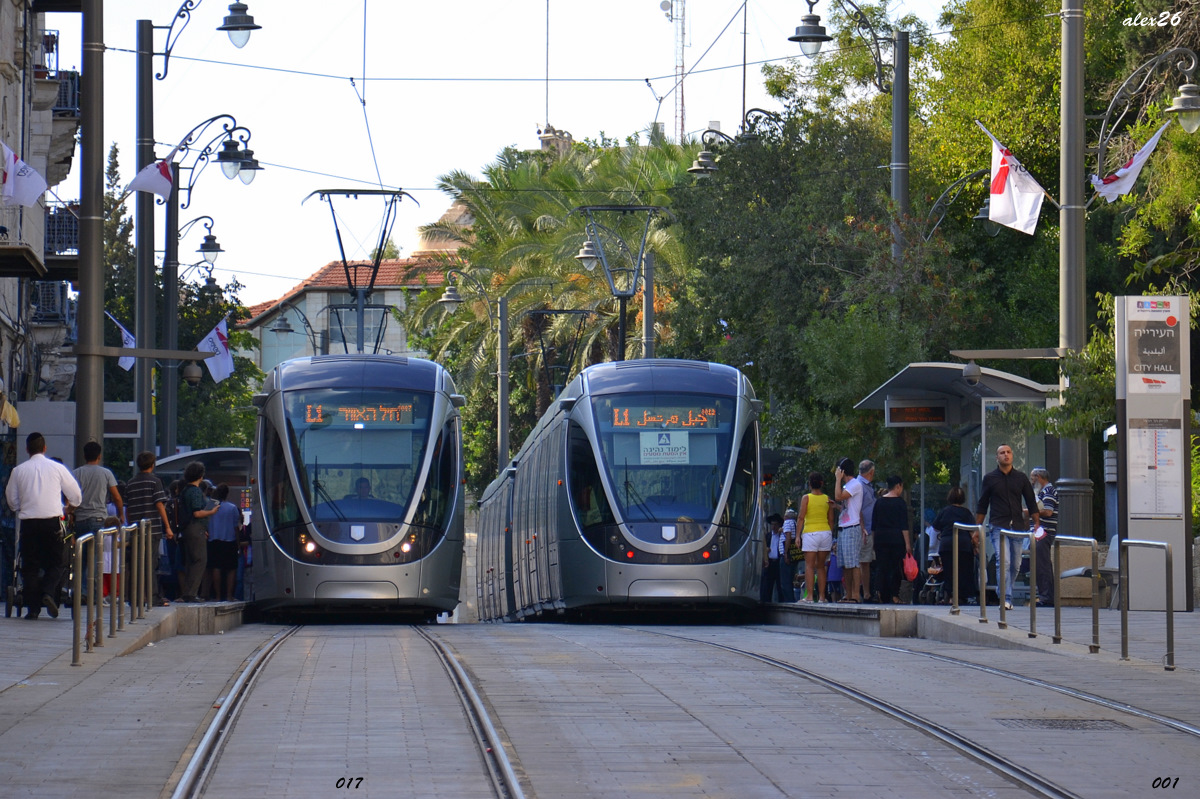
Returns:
<point x="238" y="24"/>
<point x="283" y="327"/>
<point x="811" y="36"/>
<point x="450" y="300"/>
<point x="195" y="150"/>
<point x="622" y="268"/>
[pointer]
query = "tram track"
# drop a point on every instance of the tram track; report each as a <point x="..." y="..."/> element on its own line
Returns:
<point x="999" y="764"/>
<point x="1065" y="690"/>
<point x="492" y="747"/>
<point x="493" y="751"/>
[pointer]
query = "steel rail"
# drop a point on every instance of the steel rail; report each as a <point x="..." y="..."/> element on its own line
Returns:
<point x="198" y="768"/>
<point x="491" y="746"/>
<point x="1074" y="693"/>
<point x="1001" y="765"/>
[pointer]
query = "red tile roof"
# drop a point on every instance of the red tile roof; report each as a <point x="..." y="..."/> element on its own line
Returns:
<point x="408" y="273"/>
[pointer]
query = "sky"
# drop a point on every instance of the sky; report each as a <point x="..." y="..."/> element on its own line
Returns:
<point x="447" y="86"/>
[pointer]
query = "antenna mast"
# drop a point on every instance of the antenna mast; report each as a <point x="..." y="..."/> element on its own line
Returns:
<point x="676" y="11"/>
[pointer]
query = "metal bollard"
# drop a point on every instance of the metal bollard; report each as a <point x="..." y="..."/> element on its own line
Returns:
<point x="983" y="575"/>
<point x="77" y="556"/>
<point x="1094" y="647"/>
<point x="146" y="530"/>
<point x="115" y="583"/>
<point x="1003" y="573"/>
<point x="135" y="583"/>
<point x="954" y="609"/>
<point x="1170" y="586"/>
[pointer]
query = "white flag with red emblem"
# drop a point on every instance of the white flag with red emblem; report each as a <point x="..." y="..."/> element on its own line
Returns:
<point x="1121" y="181"/>
<point x="155" y="177"/>
<point x="220" y="366"/>
<point x="19" y="182"/>
<point x="1016" y="195"/>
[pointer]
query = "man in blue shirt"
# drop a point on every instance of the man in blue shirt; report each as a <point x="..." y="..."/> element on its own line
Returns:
<point x="223" y="530"/>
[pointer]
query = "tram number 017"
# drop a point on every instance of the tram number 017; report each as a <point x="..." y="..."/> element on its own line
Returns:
<point x="1165" y="782"/>
<point x="354" y="782"/>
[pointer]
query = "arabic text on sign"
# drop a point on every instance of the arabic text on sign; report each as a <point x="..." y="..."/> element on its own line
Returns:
<point x="681" y="417"/>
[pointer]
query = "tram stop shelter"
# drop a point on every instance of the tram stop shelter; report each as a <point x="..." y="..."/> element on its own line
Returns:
<point x="967" y="403"/>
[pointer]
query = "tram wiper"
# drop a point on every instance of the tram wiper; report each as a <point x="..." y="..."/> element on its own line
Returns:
<point x="320" y="492"/>
<point x="638" y="499"/>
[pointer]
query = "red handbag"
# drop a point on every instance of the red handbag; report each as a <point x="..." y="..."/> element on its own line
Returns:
<point x="910" y="567"/>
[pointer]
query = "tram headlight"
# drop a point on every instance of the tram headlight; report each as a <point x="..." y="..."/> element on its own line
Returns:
<point x="406" y="547"/>
<point x="310" y="547"/>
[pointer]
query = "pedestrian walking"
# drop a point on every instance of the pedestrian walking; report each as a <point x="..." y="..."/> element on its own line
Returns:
<point x="35" y="493"/>
<point x="1004" y="489"/>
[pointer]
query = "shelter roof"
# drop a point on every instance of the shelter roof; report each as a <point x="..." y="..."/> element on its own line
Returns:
<point x="936" y="380"/>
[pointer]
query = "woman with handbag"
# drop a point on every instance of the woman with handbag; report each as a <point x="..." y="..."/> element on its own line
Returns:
<point x="815" y="523"/>
<point x="893" y="540"/>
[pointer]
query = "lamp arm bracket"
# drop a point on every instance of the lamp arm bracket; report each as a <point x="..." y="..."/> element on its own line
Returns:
<point x="942" y="205"/>
<point x="1182" y="58"/>
<point x="183" y="13"/>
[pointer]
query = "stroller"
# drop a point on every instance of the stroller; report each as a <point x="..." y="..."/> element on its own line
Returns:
<point x="15" y="596"/>
<point x="933" y="591"/>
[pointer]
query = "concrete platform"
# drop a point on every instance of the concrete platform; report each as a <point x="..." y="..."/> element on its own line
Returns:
<point x="1147" y="629"/>
<point x="31" y="645"/>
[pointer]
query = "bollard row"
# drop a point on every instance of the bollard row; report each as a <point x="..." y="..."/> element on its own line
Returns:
<point x="131" y="578"/>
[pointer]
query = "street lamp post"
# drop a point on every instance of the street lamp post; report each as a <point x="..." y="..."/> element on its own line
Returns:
<point x="239" y="25"/>
<point x="200" y="155"/>
<point x="811" y="35"/>
<point x="1074" y="485"/>
<point x="284" y="328"/>
<point x="452" y="299"/>
<point x="622" y="269"/>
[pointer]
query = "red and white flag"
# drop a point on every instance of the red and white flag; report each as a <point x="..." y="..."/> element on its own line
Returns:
<point x="220" y="366"/>
<point x="127" y="340"/>
<point x="1016" y="195"/>
<point x="19" y="182"/>
<point x="156" y="177"/>
<point x="1121" y="181"/>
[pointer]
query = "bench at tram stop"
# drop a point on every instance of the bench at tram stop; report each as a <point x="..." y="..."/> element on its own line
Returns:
<point x="1077" y="562"/>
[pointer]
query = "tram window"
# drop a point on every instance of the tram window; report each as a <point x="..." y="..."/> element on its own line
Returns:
<point x="345" y="435"/>
<point x="442" y="482"/>
<point x="739" y="511"/>
<point x="665" y="455"/>
<point x="587" y="490"/>
<point x="280" y="500"/>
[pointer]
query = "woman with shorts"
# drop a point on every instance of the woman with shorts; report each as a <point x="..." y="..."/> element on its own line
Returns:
<point x="816" y="526"/>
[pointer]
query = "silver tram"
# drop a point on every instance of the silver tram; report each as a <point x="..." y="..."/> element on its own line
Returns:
<point x="638" y="489"/>
<point x="358" y="498"/>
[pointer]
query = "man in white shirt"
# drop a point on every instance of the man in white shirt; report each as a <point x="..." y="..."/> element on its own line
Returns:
<point x="35" y="492"/>
<point x="850" y="537"/>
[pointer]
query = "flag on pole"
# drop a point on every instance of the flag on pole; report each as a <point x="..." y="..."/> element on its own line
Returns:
<point x="220" y="366"/>
<point x="155" y="177"/>
<point x="1016" y="195"/>
<point x="21" y="184"/>
<point x="127" y="340"/>
<point x="1121" y="181"/>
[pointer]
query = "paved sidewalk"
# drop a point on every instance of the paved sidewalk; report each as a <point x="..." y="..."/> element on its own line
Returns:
<point x="26" y="646"/>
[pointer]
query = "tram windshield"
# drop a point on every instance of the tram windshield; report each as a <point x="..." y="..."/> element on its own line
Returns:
<point x="665" y="455"/>
<point x="358" y="451"/>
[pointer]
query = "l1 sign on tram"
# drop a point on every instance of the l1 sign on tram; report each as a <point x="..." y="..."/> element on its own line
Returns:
<point x="1153" y="418"/>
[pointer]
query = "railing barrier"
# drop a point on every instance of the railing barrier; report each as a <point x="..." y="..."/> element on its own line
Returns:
<point x="82" y="542"/>
<point x="1002" y="573"/>
<point x="954" y="609"/>
<point x="1094" y="647"/>
<point x="1169" y="582"/>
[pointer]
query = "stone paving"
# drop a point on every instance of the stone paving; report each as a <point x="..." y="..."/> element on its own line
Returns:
<point x="595" y="711"/>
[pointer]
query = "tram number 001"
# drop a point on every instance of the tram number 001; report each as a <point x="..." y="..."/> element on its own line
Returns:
<point x="1165" y="782"/>
<point x="354" y="782"/>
